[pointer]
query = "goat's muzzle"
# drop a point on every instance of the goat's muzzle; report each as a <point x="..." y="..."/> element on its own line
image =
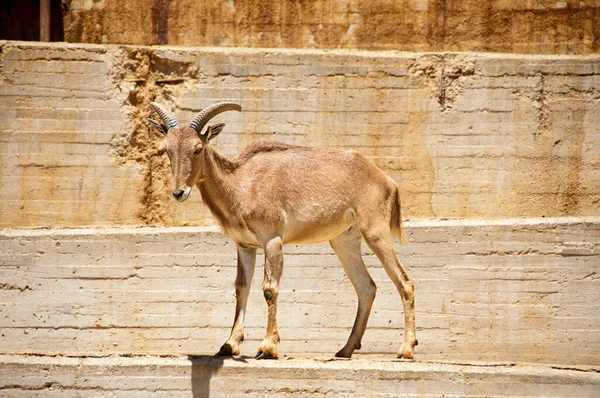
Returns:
<point x="182" y="194"/>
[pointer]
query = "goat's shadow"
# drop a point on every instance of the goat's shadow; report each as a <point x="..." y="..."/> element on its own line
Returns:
<point x="203" y="368"/>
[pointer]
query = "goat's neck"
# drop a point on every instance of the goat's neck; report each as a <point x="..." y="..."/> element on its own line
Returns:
<point x="218" y="185"/>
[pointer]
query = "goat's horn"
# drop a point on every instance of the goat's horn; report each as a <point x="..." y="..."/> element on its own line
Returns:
<point x="208" y="113"/>
<point x="165" y="115"/>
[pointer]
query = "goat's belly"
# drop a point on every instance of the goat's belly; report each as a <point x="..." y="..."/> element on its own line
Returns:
<point x="306" y="232"/>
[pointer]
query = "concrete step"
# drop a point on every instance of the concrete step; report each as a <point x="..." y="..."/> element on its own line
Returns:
<point x="525" y="290"/>
<point x="204" y="376"/>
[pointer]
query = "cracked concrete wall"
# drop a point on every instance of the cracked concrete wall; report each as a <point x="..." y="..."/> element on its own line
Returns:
<point x="508" y="26"/>
<point x="465" y="135"/>
<point x="513" y="291"/>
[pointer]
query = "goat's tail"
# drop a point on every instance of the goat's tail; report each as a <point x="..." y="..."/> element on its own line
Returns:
<point x="396" y="221"/>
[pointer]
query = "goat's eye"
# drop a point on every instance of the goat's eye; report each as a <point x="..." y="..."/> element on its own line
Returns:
<point x="198" y="150"/>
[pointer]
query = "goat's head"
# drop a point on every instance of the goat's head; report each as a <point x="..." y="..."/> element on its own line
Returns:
<point x="185" y="144"/>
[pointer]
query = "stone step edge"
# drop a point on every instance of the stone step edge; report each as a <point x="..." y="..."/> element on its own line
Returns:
<point x="592" y="373"/>
<point x="417" y="223"/>
<point x="102" y="48"/>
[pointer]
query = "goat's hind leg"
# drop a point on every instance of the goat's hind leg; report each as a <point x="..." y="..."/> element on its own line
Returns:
<point x="246" y="262"/>
<point x="347" y="247"/>
<point x="378" y="237"/>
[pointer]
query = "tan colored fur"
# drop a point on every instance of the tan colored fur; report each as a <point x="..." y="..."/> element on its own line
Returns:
<point x="273" y="194"/>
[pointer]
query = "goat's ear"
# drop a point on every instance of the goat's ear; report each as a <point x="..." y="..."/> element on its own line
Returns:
<point x="158" y="126"/>
<point x="214" y="130"/>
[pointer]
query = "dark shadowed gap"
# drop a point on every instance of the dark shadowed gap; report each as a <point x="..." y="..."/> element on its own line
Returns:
<point x="57" y="30"/>
<point x="20" y="20"/>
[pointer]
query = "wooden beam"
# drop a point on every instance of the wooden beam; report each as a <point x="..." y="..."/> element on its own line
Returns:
<point x="44" y="20"/>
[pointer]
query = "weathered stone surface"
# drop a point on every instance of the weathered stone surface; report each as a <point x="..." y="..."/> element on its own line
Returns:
<point x="218" y="377"/>
<point x="516" y="290"/>
<point x="465" y="135"/>
<point x="513" y="26"/>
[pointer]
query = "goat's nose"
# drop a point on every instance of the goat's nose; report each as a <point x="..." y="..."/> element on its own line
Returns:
<point x="178" y="193"/>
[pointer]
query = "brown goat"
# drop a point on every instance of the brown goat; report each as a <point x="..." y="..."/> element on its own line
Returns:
<point x="273" y="194"/>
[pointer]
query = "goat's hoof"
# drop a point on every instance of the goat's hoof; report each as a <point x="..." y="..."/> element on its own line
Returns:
<point x="348" y="350"/>
<point x="344" y="353"/>
<point x="341" y="354"/>
<point x="406" y="353"/>
<point x="264" y="355"/>
<point x="225" y="351"/>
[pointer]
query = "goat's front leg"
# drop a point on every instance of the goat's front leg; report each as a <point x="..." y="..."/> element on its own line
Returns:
<point x="246" y="260"/>
<point x="270" y="287"/>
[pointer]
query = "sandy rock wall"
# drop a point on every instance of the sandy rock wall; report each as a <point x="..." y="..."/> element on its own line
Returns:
<point x="513" y="291"/>
<point x="509" y="26"/>
<point x="465" y="135"/>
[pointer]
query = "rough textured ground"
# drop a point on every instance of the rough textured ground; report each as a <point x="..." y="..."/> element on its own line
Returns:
<point x="25" y="376"/>
<point x="464" y="135"/>
<point x="508" y="26"/>
<point x="515" y="290"/>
